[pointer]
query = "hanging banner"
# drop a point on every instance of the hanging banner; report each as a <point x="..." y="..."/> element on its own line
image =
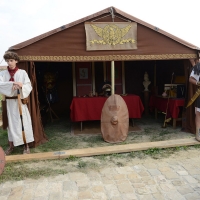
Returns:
<point x="111" y="36"/>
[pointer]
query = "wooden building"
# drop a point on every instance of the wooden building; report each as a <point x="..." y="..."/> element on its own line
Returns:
<point x="63" y="52"/>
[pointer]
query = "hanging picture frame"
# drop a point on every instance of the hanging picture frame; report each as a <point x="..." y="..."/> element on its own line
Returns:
<point x="83" y="73"/>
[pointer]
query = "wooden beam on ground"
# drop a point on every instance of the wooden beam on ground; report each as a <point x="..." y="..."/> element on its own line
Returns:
<point x="34" y="156"/>
<point x="102" y="150"/>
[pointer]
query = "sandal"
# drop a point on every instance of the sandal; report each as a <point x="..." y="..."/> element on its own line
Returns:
<point x="26" y="150"/>
<point x="9" y="151"/>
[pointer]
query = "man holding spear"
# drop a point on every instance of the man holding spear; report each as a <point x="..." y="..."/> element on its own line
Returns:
<point x="194" y="79"/>
<point x="15" y="87"/>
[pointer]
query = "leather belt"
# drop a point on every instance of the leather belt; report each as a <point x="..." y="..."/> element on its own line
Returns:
<point x="24" y="101"/>
<point x="11" y="97"/>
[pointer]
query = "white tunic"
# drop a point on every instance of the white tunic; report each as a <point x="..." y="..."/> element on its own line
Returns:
<point x="14" y="120"/>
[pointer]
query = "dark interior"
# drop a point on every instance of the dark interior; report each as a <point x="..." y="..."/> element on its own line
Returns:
<point x="134" y="77"/>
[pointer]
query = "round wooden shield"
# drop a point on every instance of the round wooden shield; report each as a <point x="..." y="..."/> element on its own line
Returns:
<point x="2" y="160"/>
<point x="114" y="119"/>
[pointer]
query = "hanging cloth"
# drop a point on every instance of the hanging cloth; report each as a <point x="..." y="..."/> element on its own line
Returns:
<point x="12" y="73"/>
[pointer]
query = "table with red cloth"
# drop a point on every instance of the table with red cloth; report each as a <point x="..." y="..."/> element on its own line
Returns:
<point x="174" y="104"/>
<point x="89" y="108"/>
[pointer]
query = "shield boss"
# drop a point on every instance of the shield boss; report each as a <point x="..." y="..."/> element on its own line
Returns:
<point x="114" y="119"/>
<point x="2" y="160"/>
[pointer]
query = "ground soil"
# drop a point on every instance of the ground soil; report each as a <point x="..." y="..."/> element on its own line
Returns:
<point x="86" y="164"/>
<point x="148" y="130"/>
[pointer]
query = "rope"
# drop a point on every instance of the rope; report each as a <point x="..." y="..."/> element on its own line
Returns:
<point x="112" y="16"/>
<point x="112" y="13"/>
<point x="101" y="18"/>
<point x="123" y="18"/>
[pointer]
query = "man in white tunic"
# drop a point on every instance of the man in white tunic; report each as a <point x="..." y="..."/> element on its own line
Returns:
<point x="11" y="80"/>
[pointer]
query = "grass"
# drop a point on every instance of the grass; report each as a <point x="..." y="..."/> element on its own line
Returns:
<point x="19" y="171"/>
<point x="72" y="158"/>
<point x="152" y="151"/>
<point x="37" y="169"/>
<point x="60" y="138"/>
<point x="164" y="132"/>
<point x="82" y="164"/>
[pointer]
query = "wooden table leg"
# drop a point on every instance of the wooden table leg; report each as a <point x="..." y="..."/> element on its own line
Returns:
<point x="174" y="122"/>
<point x="156" y="113"/>
<point x="133" y="123"/>
<point x="81" y="125"/>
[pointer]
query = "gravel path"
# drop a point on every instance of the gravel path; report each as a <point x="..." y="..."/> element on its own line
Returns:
<point x="176" y="177"/>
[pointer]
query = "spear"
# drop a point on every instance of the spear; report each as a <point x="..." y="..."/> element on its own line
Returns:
<point x="197" y="93"/>
<point x="20" y="112"/>
<point x="167" y="120"/>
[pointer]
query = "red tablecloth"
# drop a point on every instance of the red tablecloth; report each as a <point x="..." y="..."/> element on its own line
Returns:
<point x="89" y="108"/>
<point x="161" y="104"/>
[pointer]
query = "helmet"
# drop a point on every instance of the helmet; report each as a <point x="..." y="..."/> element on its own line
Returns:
<point x="106" y="90"/>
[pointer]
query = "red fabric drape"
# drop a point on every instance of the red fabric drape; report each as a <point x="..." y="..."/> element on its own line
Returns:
<point x="33" y="105"/>
<point x="161" y="104"/>
<point x="86" y="108"/>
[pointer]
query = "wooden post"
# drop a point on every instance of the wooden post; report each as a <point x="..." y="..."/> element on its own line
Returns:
<point x="93" y="79"/>
<point x="113" y="77"/>
<point x="154" y="88"/>
<point x="123" y="79"/>
<point x="104" y="71"/>
<point x="146" y="102"/>
<point x="155" y="74"/>
<point x="74" y="78"/>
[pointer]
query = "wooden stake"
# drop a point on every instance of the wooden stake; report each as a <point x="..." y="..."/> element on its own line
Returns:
<point x="20" y="112"/>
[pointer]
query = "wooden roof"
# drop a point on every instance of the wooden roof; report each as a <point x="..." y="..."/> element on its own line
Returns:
<point x="50" y="43"/>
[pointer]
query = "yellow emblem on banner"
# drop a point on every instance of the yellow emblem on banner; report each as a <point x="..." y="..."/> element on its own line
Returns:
<point x="111" y="35"/>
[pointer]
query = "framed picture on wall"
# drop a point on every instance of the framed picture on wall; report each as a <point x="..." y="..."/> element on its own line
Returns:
<point x="83" y="78"/>
<point x="83" y="73"/>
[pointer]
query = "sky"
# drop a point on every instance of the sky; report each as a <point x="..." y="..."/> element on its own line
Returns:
<point x="21" y="20"/>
